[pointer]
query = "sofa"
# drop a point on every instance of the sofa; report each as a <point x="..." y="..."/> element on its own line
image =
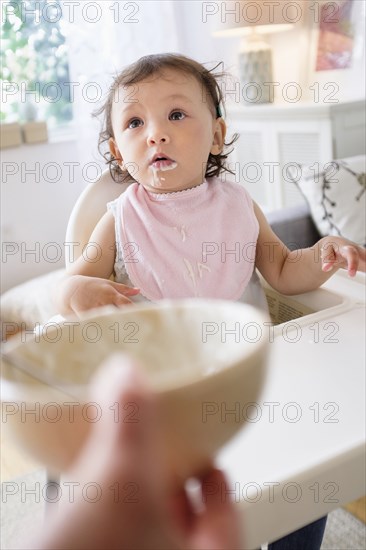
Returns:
<point x="294" y="226"/>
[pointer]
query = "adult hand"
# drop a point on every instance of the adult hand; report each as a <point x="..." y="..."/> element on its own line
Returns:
<point x="139" y="506"/>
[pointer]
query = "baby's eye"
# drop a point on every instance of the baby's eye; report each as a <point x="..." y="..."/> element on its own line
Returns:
<point x="177" y="115"/>
<point x="134" y="123"/>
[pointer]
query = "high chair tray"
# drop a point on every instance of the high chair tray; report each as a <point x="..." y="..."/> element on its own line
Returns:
<point x="303" y="453"/>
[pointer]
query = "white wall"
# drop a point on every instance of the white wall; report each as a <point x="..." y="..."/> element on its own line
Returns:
<point x="35" y="207"/>
<point x="196" y="40"/>
<point x="37" y="211"/>
<point x="293" y="51"/>
<point x="294" y="59"/>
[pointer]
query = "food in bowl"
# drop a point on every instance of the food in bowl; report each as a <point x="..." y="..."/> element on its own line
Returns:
<point x="201" y="358"/>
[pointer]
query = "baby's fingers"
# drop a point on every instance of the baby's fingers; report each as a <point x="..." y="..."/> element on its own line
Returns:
<point x="347" y="256"/>
<point x="351" y="255"/>
<point x="328" y="256"/>
<point x="125" y="290"/>
<point x="121" y="300"/>
<point x="361" y="258"/>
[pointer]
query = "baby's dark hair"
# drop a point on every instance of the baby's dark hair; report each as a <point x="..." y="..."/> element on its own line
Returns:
<point x="143" y="68"/>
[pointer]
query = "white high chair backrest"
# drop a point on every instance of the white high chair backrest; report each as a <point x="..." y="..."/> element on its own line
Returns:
<point x="88" y="210"/>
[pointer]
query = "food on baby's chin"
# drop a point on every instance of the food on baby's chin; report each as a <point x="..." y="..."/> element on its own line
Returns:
<point x="161" y="166"/>
<point x="164" y="165"/>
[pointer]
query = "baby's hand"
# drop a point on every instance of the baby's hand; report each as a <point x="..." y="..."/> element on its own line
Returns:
<point x="91" y="292"/>
<point x="338" y="252"/>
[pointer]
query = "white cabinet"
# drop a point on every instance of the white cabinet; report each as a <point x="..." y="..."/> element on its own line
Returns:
<point x="275" y="136"/>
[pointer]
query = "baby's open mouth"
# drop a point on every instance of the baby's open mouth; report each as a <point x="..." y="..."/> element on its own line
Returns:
<point x="163" y="163"/>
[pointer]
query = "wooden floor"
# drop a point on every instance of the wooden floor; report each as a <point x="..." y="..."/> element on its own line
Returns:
<point x="358" y="508"/>
<point x="16" y="463"/>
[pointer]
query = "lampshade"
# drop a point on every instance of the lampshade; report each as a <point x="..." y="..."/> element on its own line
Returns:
<point x="240" y="17"/>
<point x="254" y="17"/>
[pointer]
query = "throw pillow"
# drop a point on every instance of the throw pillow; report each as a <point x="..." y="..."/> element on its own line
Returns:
<point x="336" y="194"/>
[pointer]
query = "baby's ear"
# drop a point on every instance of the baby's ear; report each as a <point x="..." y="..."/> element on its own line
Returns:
<point x="219" y="136"/>
<point x="115" y="151"/>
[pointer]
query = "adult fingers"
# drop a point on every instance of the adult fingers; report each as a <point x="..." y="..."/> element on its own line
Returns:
<point x="218" y="525"/>
<point x="119" y="382"/>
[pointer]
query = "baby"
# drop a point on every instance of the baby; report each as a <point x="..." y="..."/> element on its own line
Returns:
<point x="179" y="230"/>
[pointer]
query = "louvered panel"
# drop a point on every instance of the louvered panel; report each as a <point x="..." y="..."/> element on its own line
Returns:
<point x="299" y="148"/>
<point x="248" y="167"/>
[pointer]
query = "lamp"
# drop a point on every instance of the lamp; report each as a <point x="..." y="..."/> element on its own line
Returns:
<point x="251" y="20"/>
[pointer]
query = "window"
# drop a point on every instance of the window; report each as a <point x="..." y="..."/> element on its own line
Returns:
<point x="34" y="71"/>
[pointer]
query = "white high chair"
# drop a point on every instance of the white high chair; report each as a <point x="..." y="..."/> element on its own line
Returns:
<point x="88" y="210"/>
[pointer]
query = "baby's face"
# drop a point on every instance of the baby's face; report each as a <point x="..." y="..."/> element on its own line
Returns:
<point x="168" y="117"/>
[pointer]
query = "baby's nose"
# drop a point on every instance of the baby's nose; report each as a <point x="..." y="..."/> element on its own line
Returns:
<point x="157" y="136"/>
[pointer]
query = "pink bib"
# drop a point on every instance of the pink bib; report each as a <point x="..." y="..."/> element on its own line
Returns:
<point x="199" y="242"/>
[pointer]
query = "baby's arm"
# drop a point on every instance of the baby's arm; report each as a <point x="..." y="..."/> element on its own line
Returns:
<point x="86" y="284"/>
<point x="307" y="268"/>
